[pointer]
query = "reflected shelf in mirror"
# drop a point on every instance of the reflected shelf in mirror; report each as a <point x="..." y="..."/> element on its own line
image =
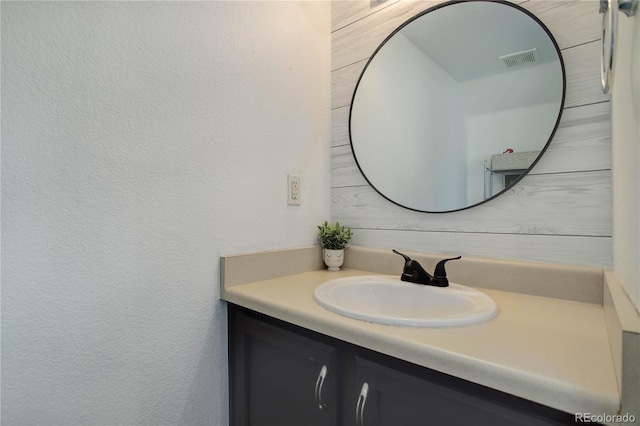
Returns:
<point x="508" y="168"/>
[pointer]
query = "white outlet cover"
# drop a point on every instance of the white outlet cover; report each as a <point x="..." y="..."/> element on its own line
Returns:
<point x="293" y="190"/>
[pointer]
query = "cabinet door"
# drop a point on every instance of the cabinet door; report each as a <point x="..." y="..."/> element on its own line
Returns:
<point x="391" y="397"/>
<point x="279" y="377"/>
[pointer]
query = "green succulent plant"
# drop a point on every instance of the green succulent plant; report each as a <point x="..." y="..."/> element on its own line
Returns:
<point x="334" y="236"/>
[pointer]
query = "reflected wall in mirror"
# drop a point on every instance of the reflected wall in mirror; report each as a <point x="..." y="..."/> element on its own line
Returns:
<point x="446" y="94"/>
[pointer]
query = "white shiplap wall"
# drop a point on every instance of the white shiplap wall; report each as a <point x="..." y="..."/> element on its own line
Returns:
<point x="560" y="212"/>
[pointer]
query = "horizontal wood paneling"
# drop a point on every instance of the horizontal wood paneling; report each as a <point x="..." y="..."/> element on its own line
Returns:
<point x="583" y="75"/>
<point x="582" y="141"/>
<point x="576" y="250"/>
<point x="561" y="212"/>
<point x="552" y="204"/>
<point x="340" y="126"/>
<point x="344" y="171"/>
<point x="345" y="12"/>
<point x="343" y="83"/>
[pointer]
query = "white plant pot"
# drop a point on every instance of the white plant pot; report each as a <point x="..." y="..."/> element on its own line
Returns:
<point x="333" y="259"/>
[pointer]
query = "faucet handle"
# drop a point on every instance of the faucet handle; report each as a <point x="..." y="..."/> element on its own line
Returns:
<point x="440" y="273"/>
<point x="413" y="271"/>
<point x="406" y="258"/>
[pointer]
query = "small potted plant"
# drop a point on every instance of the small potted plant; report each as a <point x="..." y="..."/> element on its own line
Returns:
<point x="333" y="239"/>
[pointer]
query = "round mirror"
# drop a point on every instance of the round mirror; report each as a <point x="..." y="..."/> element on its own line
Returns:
<point x="457" y="105"/>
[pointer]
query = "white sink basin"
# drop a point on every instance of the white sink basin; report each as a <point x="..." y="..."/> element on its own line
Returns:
<point x="388" y="300"/>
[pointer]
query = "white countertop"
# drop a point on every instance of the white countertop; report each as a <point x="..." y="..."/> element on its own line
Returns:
<point x="554" y="352"/>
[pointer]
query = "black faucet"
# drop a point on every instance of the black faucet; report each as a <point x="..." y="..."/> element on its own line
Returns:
<point x="415" y="273"/>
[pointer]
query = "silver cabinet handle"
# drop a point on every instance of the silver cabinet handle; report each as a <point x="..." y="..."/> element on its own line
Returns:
<point x="318" y="391"/>
<point x="362" y="400"/>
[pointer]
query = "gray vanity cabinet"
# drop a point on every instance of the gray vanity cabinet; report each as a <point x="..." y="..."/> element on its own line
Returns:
<point x="276" y="378"/>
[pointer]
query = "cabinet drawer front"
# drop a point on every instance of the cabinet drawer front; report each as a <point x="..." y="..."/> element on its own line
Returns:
<point x="397" y="398"/>
<point x="279" y="377"/>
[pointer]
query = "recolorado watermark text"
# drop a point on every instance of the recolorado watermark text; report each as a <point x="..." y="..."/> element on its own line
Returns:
<point x="604" y="418"/>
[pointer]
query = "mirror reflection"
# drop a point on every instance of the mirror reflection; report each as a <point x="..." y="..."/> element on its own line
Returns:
<point x="457" y="105"/>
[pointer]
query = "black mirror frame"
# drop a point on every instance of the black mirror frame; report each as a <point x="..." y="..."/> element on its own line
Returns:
<point x="544" y="149"/>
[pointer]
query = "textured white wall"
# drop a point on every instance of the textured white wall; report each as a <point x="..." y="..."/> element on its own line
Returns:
<point x="140" y="141"/>
<point x="625" y="120"/>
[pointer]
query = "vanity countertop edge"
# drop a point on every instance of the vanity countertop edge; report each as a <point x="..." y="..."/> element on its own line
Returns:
<point x="551" y="351"/>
